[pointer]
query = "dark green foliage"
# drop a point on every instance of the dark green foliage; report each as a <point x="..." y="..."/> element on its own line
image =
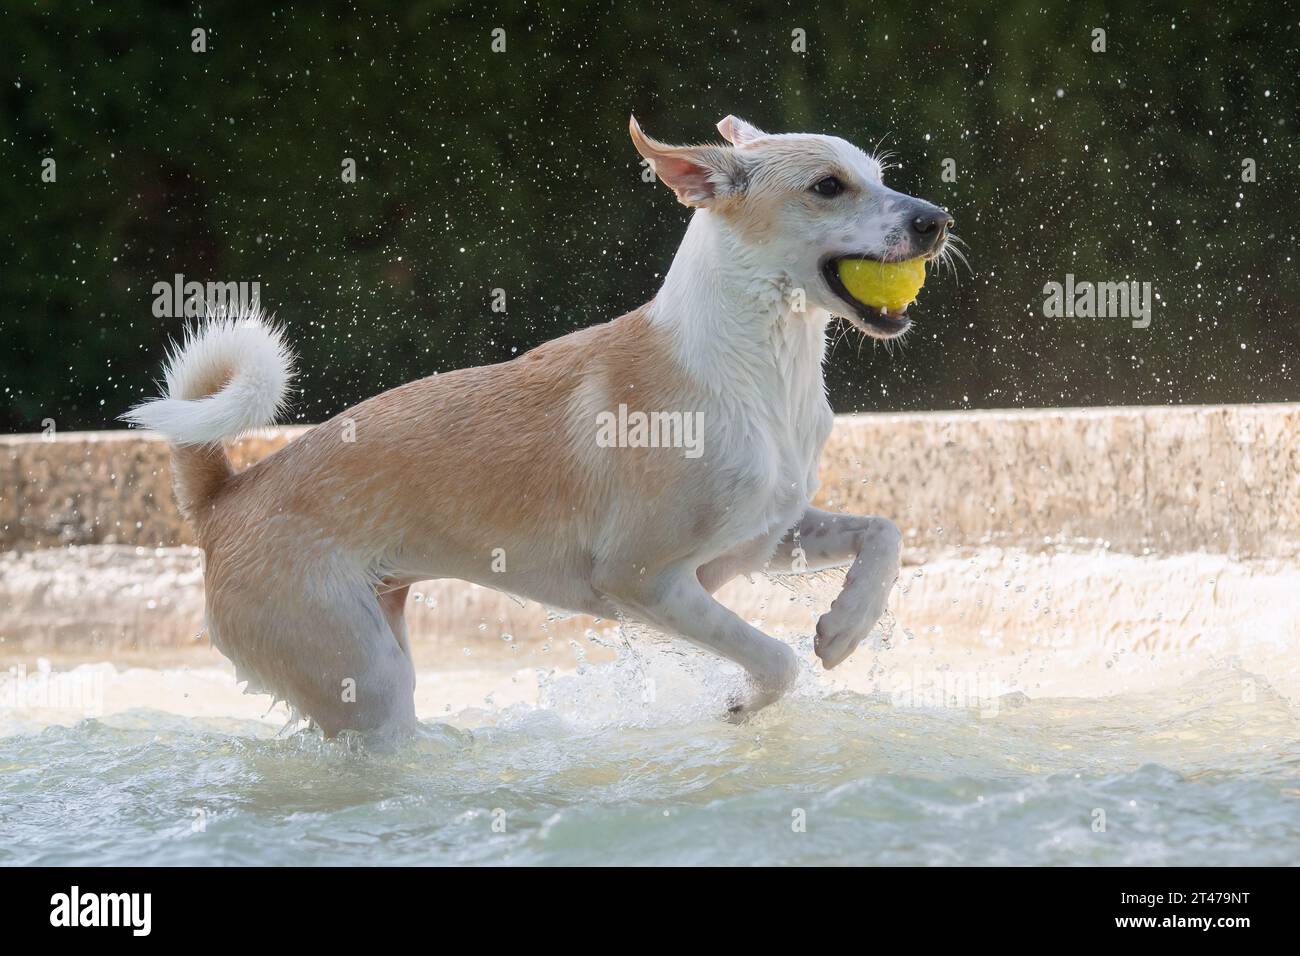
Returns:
<point x="480" y="170"/>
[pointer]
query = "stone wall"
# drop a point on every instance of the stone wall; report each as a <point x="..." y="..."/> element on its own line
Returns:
<point x="111" y="487"/>
<point x="1221" y="479"/>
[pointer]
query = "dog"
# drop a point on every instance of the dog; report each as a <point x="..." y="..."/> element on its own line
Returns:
<point x="495" y="475"/>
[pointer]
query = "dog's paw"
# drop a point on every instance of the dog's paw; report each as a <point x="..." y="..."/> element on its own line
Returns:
<point x="740" y="709"/>
<point x="852" y="615"/>
<point x="841" y="629"/>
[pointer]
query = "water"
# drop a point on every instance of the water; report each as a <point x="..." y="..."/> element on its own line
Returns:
<point x="1206" y="772"/>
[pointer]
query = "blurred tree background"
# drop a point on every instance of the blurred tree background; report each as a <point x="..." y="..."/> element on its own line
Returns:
<point x="479" y="170"/>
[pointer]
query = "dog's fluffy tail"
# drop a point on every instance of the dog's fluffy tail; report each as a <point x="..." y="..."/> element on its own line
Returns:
<point x="229" y="376"/>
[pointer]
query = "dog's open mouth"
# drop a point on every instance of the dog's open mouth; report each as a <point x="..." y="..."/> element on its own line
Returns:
<point x="878" y="321"/>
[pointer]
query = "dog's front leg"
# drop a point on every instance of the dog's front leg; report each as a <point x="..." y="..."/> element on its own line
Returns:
<point x="676" y="602"/>
<point x="871" y="547"/>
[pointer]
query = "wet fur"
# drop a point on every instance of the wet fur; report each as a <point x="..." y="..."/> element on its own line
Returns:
<point x="309" y="552"/>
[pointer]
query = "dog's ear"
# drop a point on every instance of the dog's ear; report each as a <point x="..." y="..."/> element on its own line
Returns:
<point x="699" y="175"/>
<point x="737" y="132"/>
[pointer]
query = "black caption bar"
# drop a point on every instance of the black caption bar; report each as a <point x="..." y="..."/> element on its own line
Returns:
<point x="133" y="906"/>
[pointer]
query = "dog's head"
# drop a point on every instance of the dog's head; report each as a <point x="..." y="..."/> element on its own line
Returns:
<point x="800" y="203"/>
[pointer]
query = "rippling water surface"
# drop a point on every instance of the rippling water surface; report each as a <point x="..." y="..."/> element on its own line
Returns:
<point x="592" y="773"/>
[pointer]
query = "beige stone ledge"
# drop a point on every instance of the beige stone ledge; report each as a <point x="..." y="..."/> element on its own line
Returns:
<point x="1222" y="479"/>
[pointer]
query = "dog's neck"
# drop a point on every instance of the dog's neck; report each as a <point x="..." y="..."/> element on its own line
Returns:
<point x="735" y="327"/>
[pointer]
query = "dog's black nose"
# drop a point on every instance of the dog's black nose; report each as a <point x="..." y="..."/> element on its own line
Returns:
<point x="929" y="225"/>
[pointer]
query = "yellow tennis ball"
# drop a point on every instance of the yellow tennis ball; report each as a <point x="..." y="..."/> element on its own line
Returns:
<point x="883" y="285"/>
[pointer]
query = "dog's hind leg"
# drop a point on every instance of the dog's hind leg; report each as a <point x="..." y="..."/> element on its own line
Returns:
<point x="392" y="601"/>
<point x="363" y="679"/>
<point x="322" y="642"/>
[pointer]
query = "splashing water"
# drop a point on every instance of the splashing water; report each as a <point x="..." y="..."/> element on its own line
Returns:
<point x="928" y="751"/>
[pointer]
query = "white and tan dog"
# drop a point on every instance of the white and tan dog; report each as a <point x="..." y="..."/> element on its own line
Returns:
<point x="498" y="475"/>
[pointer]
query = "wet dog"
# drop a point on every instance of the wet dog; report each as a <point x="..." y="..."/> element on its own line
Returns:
<point x="550" y="476"/>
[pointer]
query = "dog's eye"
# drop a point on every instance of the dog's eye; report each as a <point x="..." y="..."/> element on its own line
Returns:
<point x="830" y="186"/>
